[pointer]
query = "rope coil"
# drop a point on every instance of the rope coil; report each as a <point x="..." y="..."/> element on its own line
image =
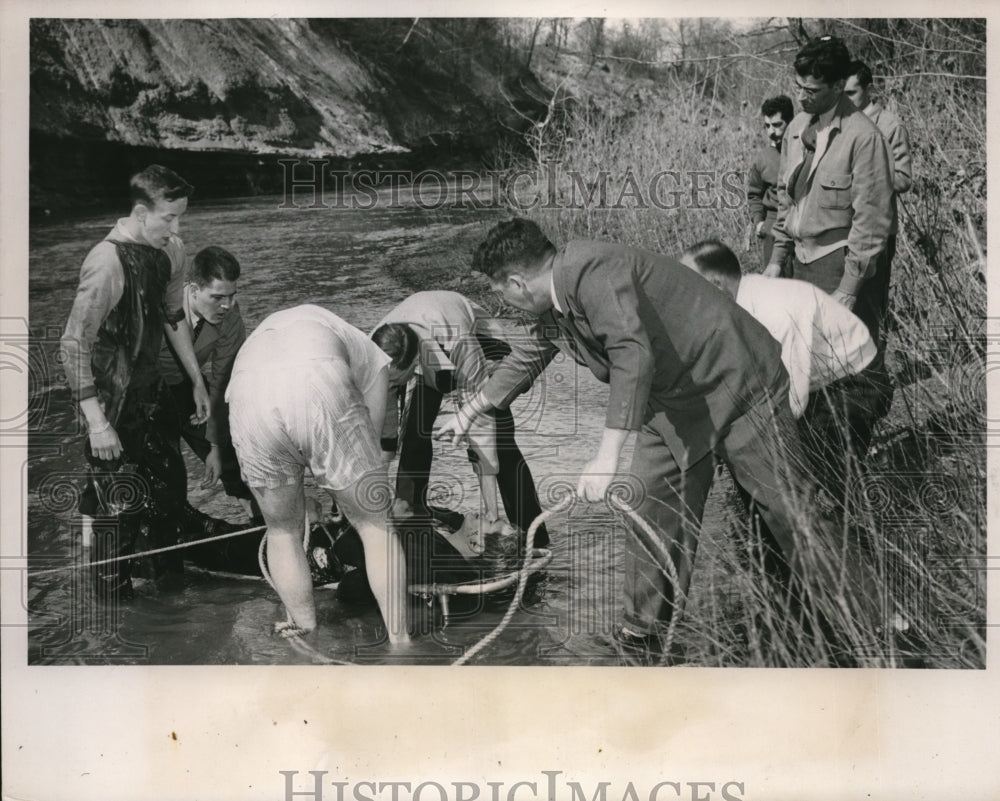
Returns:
<point x="565" y="503"/>
<point x="522" y="579"/>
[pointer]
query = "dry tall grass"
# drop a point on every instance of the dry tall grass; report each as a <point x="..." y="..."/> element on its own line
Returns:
<point x="918" y="507"/>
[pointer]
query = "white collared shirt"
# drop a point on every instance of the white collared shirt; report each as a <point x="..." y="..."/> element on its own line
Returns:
<point x="821" y="340"/>
<point x="552" y="292"/>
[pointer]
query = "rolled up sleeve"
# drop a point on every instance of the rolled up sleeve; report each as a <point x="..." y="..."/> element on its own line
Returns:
<point x="101" y="285"/>
<point x="173" y="296"/>
<point x="471" y="375"/>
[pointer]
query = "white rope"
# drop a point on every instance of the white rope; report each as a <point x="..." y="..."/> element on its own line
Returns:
<point x="153" y="552"/>
<point x="522" y="579"/>
<point x="564" y="504"/>
<point x="288" y="628"/>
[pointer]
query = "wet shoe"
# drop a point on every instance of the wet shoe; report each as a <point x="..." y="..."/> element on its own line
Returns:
<point x="636" y="649"/>
<point x="645" y="650"/>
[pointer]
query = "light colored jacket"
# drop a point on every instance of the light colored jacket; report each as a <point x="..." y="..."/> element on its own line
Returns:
<point x="898" y="140"/>
<point x="447" y="324"/>
<point x="850" y="197"/>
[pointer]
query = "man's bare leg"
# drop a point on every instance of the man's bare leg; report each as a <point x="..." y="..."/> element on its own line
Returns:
<point x="384" y="559"/>
<point x="284" y="512"/>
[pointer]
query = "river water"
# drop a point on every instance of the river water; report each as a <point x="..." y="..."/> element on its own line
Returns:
<point x="340" y="258"/>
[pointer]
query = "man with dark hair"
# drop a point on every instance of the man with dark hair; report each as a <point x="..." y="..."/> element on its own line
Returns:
<point x="309" y="390"/>
<point x="130" y="294"/>
<point x="214" y="316"/>
<point x="859" y="89"/>
<point x="835" y="214"/>
<point x="762" y="179"/>
<point x="821" y="341"/>
<point x="689" y="371"/>
<point x="453" y="336"/>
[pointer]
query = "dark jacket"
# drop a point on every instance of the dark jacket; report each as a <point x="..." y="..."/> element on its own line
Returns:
<point x="665" y="339"/>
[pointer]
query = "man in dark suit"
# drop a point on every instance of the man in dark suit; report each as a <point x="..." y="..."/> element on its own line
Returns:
<point x="214" y="315"/>
<point x="689" y="371"/>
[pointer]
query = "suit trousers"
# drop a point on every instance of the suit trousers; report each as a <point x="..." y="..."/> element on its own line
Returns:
<point x="762" y="450"/>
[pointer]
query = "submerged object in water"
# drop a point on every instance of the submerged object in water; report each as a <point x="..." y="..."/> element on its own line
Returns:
<point x="463" y="556"/>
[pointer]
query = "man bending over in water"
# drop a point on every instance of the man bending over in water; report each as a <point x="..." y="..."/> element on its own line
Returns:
<point x="309" y="390"/>
<point x="451" y="337"/>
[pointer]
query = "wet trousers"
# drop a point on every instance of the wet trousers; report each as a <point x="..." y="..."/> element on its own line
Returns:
<point x="137" y="497"/>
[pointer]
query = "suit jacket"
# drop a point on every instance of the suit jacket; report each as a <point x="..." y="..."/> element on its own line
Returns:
<point x="215" y="347"/>
<point x="678" y="353"/>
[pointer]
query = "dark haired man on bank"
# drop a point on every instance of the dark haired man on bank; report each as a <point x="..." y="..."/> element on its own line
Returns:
<point x="762" y="178"/>
<point x="451" y="337"/>
<point x="835" y="217"/>
<point x="689" y="372"/>
<point x="130" y="294"/>
<point x="859" y="89"/>
<point x="210" y="306"/>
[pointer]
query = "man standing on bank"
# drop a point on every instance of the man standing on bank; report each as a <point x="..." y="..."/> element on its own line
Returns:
<point x="859" y="89"/>
<point x="689" y="371"/>
<point x="835" y="216"/>
<point x="448" y="334"/>
<point x="129" y="296"/>
<point x="762" y="178"/>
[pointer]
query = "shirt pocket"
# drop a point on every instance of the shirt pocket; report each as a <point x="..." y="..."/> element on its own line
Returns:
<point x="835" y="190"/>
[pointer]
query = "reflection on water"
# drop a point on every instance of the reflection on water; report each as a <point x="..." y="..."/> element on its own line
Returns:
<point x="337" y="258"/>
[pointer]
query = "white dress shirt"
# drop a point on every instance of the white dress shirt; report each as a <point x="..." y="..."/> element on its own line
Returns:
<point x="821" y="340"/>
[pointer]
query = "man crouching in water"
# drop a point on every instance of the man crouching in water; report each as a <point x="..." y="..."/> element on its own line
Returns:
<point x="309" y="389"/>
